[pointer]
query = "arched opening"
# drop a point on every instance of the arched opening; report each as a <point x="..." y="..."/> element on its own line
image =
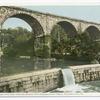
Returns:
<point x="19" y="42"/>
<point x="93" y="32"/>
<point x="34" y="24"/>
<point x="60" y="35"/>
<point x="17" y="22"/>
<point x="68" y="28"/>
<point x="16" y="38"/>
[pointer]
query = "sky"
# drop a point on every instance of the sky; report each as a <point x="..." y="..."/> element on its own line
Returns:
<point x="88" y="13"/>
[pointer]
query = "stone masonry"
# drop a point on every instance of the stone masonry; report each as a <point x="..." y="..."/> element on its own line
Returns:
<point x="85" y="73"/>
<point x="32" y="82"/>
<point x="44" y="21"/>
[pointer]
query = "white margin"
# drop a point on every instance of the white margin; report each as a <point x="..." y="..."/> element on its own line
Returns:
<point x="48" y="2"/>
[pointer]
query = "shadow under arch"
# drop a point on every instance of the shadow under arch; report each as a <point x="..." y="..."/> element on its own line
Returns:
<point x="67" y="27"/>
<point x="93" y="32"/>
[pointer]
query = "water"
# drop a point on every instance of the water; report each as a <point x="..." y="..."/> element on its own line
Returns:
<point x="26" y="63"/>
<point x="69" y="82"/>
<point x="68" y="77"/>
<point x="71" y="87"/>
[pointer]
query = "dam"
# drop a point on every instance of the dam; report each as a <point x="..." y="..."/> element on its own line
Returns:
<point x="49" y="80"/>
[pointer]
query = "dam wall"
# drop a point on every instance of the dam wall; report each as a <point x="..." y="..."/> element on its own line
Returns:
<point x="84" y="73"/>
<point x="32" y="82"/>
<point x="47" y="80"/>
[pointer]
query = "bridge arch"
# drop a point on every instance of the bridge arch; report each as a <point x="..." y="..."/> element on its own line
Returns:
<point x="61" y="31"/>
<point x="33" y="22"/>
<point x="68" y="27"/>
<point x="93" y="32"/>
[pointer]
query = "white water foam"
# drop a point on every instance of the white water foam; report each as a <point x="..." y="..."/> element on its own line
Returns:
<point x="69" y="82"/>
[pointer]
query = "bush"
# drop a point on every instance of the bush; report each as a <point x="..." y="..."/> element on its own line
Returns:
<point x="43" y="52"/>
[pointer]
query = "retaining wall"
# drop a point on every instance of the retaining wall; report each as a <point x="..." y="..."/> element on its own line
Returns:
<point x="39" y="81"/>
<point x="84" y="73"/>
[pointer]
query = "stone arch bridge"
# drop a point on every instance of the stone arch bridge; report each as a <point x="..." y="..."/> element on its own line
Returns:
<point x="42" y="23"/>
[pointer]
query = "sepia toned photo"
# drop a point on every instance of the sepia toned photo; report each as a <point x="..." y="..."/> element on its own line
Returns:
<point x="51" y="50"/>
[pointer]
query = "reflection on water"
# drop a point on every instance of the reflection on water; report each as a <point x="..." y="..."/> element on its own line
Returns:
<point x="19" y="65"/>
<point x="62" y="63"/>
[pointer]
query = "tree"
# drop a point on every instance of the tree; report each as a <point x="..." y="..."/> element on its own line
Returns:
<point x="78" y="46"/>
<point x="58" y="40"/>
<point x="17" y="42"/>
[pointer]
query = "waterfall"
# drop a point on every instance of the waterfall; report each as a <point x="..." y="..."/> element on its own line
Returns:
<point x="68" y="77"/>
<point x="69" y="83"/>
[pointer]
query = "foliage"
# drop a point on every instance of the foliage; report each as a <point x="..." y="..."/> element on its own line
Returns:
<point x="42" y="52"/>
<point x="78" y="46"/>
<point x="16" y="42"/>
<point x="19" y="41"/>
<point x="57" y="39"/>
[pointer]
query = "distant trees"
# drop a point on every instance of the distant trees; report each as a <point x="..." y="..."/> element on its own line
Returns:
<point x="90" y="48"/>
<point x="59" y="39"/>
<point x="16" y="42"/>
<point x="20" y="41"/>
<point x="84" y="47"/>
<point x="78" y="46"/>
